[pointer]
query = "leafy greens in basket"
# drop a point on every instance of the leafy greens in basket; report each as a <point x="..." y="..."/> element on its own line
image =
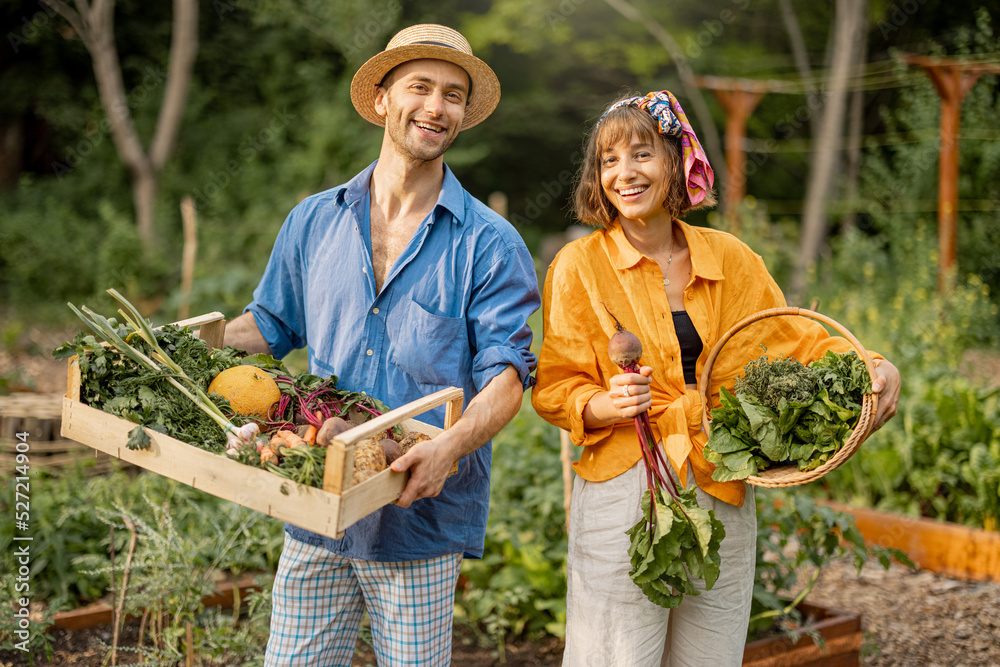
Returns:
<point x="785" y="412"/>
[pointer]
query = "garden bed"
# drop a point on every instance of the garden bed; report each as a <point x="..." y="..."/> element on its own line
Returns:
<point x="943" y="547"/>
<point x="842" y="639"/>
<point x="101" y="613"/>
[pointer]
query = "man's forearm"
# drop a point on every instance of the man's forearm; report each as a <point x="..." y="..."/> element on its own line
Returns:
<point x="487" y="413"/>
<point x="243" y="334"/>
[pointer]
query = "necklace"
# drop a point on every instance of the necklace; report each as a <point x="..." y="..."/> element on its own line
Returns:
<point x="666" y="281"/>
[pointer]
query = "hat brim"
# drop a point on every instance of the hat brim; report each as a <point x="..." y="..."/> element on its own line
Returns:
<point x="484" y="97"/>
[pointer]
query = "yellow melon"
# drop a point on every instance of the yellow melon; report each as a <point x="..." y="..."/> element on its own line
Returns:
<point x="249" y="390"/>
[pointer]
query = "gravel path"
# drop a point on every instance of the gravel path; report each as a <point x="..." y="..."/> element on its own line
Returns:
<point x="917" y="618"/>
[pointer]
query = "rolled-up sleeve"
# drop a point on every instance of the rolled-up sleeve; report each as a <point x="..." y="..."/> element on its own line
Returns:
<point x="569" y="372"/>
<point x="505" y="296"/>
<point x="278" y="304"/>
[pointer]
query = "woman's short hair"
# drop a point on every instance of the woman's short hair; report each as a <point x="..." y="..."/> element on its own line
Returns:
<point x="590" y="204"/>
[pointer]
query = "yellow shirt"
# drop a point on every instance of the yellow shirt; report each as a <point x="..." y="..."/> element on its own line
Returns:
<point x="728" y="283"/>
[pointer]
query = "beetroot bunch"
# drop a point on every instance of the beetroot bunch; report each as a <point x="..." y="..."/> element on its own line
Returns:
<point x="676" y="542"/>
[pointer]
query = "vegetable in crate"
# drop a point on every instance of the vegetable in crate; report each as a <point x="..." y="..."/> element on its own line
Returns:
<point x="154" y="377"/>
<point x="676" y="541"/>
<point x="369" y="459"/>
<point x="249" y="390"/>
<point x="783" y="412"/>
<point x="142" y="367"/>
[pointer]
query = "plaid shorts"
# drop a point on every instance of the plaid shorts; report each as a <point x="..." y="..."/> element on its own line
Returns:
<point x="319" y="598"/>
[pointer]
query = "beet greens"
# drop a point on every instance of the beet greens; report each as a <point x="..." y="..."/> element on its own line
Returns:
<point x="676" y="541"/>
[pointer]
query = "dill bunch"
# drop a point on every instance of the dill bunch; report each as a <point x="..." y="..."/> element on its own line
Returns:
<point x="770" y="381"/>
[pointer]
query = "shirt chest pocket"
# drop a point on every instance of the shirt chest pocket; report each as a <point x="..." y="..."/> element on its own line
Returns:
<point x="432" y="349"/>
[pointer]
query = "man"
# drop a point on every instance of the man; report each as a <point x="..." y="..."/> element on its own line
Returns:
<point x="400" y="283"/>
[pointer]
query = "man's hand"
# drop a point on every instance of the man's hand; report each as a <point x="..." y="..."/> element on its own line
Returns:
<point x="430" y="461"/>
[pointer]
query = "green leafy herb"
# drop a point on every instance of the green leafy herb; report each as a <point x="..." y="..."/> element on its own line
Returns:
<point x="680" y="544"/>
<point x="137" y="439"/>
<point x="782" y="412"/>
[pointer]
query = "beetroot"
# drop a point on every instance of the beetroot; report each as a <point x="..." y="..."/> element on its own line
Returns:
<point x="392" y="449"/>
<point x="624" y="348"/>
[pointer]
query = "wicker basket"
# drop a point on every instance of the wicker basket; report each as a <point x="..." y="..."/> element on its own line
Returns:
<point x="789" y="474"/>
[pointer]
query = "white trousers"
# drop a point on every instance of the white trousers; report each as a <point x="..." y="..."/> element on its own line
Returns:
<point x="610" y="623"/>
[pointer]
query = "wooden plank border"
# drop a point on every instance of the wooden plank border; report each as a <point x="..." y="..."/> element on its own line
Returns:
<point x="841" y="631"/>
<point x="101" y="613"/>
<point x="956" y="551"/>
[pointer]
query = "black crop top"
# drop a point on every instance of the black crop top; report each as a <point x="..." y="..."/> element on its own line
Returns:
<point x="690" y="343"/>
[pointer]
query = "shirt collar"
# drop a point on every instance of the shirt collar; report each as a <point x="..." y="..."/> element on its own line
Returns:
<point x="703" y="262"/>
<point x="451" y="199"/>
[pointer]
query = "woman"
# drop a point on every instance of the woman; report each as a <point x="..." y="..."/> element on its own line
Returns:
<point x="678" y="288"/>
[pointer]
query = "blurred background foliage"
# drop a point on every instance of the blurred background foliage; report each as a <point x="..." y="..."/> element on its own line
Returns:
<point x="268" y="121"/>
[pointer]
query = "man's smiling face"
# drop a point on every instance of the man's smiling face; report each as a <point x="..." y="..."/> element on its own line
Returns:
<point x="424" y="106"/>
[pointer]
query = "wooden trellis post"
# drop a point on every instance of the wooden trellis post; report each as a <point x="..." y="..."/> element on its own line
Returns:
<point x="739" y="97"/>
<point x="952" y="79"/>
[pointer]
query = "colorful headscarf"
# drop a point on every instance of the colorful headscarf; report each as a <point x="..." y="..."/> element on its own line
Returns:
<point x="672" y="122"/>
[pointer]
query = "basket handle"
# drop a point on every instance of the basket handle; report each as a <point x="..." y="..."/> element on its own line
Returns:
<point x="706" y="374"/>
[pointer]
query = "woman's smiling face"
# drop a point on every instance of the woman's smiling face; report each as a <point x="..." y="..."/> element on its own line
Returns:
<point x="635" y="176"/>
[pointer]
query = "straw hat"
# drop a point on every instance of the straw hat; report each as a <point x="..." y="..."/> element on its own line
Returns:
<point x="427" y="41"/>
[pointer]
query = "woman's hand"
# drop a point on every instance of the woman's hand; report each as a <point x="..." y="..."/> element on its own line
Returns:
<point x="886" y="385"/>
<point x="627" y="396"/>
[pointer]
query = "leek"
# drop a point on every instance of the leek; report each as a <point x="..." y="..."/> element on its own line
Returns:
<point x="161" y="363"/>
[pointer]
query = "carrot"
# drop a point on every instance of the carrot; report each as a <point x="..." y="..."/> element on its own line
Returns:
<point x="286" y="440"/>
<point x="296" y="441"/>
<point x="278" y="440"/>
<point x="312" y="430"/>
<point x="267" y="455"/>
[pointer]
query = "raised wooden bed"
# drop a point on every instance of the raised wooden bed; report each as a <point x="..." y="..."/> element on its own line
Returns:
<point x="841" y="632"/>
<point x="40" y="416"/>
<point x="946" y="548"/>
<point x="101" y="613"/>
<point x="327" y="511"/>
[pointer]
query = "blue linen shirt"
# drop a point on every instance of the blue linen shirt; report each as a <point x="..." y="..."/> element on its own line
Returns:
<point x="453" y="312"/>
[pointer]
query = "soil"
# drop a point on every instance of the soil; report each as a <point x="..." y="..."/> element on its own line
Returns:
<point x="917" y="618"/>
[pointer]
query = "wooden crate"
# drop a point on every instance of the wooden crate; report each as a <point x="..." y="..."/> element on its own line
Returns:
<point x="327" y="511"/>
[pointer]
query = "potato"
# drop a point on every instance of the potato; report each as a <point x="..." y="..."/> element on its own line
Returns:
<point x="330" y="429"/>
